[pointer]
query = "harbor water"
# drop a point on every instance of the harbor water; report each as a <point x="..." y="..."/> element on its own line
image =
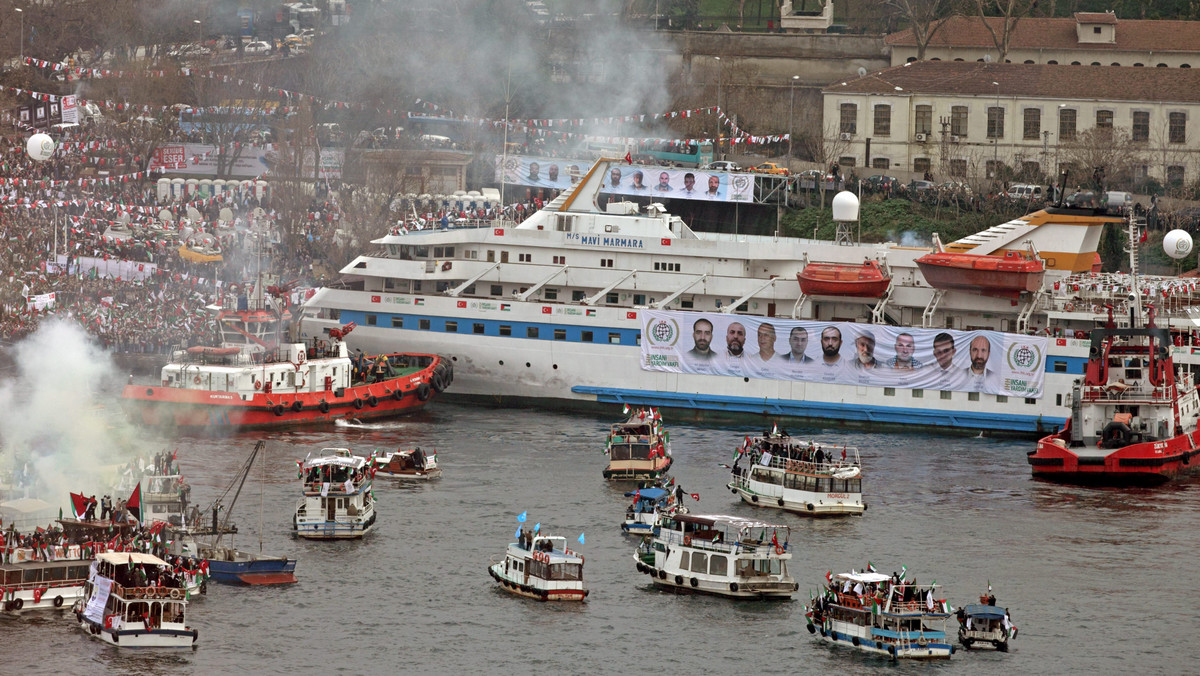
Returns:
<point x="1097" y="580"/>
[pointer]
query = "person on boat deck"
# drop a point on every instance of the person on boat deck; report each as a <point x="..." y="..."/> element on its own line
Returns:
<point x="105" y="508"/>
<point x="90" y="513"/>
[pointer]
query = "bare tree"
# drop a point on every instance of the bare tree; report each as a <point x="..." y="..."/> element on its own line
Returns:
<point x="1111" y="151"/>
<point x="825" y="149"/>
<point x="1010" y="13"/>
<point x="924" y="17"/>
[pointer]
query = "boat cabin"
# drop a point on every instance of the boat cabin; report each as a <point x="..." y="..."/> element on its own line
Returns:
<point x="545" y="557"/>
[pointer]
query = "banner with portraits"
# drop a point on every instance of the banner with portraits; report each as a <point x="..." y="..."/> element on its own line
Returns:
<point x="628" y="179"/>
<point x="845" y="353"/>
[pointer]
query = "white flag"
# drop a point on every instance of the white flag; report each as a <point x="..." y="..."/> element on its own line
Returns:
<point x="765" y="460"/>
<point x="349" y="486"/>
<point x="929" y="600"/>
<point x="325" y="489"/>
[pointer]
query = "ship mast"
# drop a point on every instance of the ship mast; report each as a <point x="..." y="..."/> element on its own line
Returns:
<point x="1135" y="304"/>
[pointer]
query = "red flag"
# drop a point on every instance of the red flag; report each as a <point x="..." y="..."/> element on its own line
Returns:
<point x="79" y="504"/>
<point x="695" y="496"/>
<point x="1145" y="236"/>
<point x="628" y="158"/>
<point x="134" y="504"/>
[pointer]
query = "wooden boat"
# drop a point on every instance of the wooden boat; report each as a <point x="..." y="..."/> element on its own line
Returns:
<point x="865" y="280"/>
<point x="883" y="615"/>
<point x="1006" y="276"/>
<point x="541" y="567"/>
<point x="638" y="448"/>
<point x="413" y="464"/>
<point x="1133" y="420"/>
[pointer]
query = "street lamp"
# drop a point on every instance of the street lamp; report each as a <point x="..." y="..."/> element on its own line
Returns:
<point x="199" y="32"/>
<point x="791" y="126"/>
<point x="22" y="13"/>
<point x="718" y="139"/>
<point x="999" y="132"/>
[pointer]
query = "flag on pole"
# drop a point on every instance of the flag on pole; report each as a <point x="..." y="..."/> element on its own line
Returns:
<point x="775" y="430"/>
<point x="522" y="516"/>
<point x="628" y="156"/>
<point x="134" y="503"/>
<point x="903" y="572"/>
<point x="537" y="527"/>
<point x="829" y="576"/>
<point x="581" y="540"/>
<point x="79" y="505"/>
<point x="870" y="567"/>
<point x="929" y="600"/>
<point x="518" y="533"/>
<point x="625" y="410"/>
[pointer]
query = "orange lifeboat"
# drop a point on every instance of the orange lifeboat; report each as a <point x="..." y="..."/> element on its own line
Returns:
<point x="1006" y="276"/>
<point x="866" y="280"/>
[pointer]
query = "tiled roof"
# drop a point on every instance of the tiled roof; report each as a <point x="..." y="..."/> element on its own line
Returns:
<point x="1059" y="34"/>
<point x="968" y="78"/>
<point x="1095" y="17"/>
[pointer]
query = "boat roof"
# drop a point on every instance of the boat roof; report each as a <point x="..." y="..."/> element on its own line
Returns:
<point x="866" y="578"/>
<point x="984" y="611"/>
<point x="649" y="493"/>
<point x="125" y="558"/>
<point x="727" y="520"/>
<point x="340" y="457"/>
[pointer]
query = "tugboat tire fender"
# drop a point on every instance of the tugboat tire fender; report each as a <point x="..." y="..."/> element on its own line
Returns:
<point x="372" y="401"/>
<point x="695" y="582"/>
<point x="423" y="392"/>
<point x="278" y="409"/>
<point x="297" y="406"/>
<point x="679" y="579"/>
<point x="854" y="641"/>
<point x="733" y="587"/>
<point x="323" y="406"/>
<point x="18" y="604"/>
<point x="662" y="574"/>
<point x="358" y="403"/>
<point x="812" y="629"/>
<point x="398" y="394"/>
<point x="58" y="601"/>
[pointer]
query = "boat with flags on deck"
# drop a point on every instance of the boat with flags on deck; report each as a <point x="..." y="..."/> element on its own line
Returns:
<point x="42" y="578"/>
<point x="804" y="477"/>
<point x="541" y="567"/>
<point x="638" y="448"/>
<point x="985" y="624"/>
<point x="132" y="600"/>
<point x="337" y="501"/>
<point x="883" y="615"/>
<point x="261" y="377"/>
<point x="720" y="555"/>
<point x="641" y="516"/>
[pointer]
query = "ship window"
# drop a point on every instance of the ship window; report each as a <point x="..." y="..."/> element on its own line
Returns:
<point x="718" y="565"/>
<point x="854" y="485"/>
<point x="585" y="336"/>
<point x="1030" y="400"/>
<point x="614" y="338"/>
<point x="612" y="298"/>
<point x="945" y="394"/>
<point x="687" y="303"/>
<point x="497" y="290"/>
<point x="372" y="320"/>
<point x="1060" y="367"/>
<point x="505" y="330"/>
<point x="639" y="299"/>
<point x="918" y="394"/>
<point x="560" y="260"/>
<point x="416" y="285"/>
<point x="550" y="294"/>
<point x="491" y="256"/>
<point x="560" y="334"/>
<point x="477" y="327"/>
<point x="423" y="324"/>
<point x="823" y="484"/>
<point x="684" y="557"/>
<point x="837" y="486"/>
<point x="889" y="391"/>
<point x="525" y="258"/>
<point x="699" y="562"/>
<point x="606" y="262"/>
<point x="578" y="295"/>
<point x="54" y="573"/>
<point x="1058" y="400"/>
<point x="531" y="332"/>
<point x="1001" y="399"/>
<point x="503" y="256"/>
<point x="451" y="327"/>
<point x="972" y="396"/>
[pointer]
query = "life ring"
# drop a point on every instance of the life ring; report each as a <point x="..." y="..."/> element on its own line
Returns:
<point x="300" y="357"/>
<point x="372" y="401"/>
<point x="1069" y="307"/>
<point x="297" y="406"/>
<point x="278" y="410"/>
<point x="176" y="594"/>
<point x="258" y="384"/>
<point x="423" y="392"/>
<point x="323" y="406"/>
<point x="687" y="540"/>
<point x="358" y="403"/>
<point x="779" y="549"/>
<point x="58" y="601"/>
<point x="446" y="266"/>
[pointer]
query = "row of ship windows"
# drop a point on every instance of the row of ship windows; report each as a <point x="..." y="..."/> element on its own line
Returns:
<point x="803" y="482"/>
<point x="441" y="253"/>
<point x="628" y="337"/>
<point x="577" y="295"/>
<point x="971" y="396"/>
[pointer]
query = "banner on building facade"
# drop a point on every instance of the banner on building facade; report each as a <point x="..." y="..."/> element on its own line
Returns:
<point x="844" y="353"/>
<point x="628" y="179"/>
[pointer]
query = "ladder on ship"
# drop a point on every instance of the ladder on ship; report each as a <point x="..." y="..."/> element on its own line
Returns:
<point x="878" y="315"/>
<point x="1027" y="311"/>
<point x="927" y="315"/>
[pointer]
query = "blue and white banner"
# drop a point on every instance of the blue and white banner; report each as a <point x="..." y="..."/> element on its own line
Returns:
<point x="844" y="353"/>
<point x="628" y="179"/>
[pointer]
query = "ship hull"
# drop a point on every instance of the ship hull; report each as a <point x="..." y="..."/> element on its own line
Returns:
<point x="1149" y="463"/>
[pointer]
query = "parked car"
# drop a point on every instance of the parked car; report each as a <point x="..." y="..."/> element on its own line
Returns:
<point x="1025" y="191"/>
<point x="880" y="183"/>
<point x="919" y="187"/>
<point x="771" y="168"/>
<point x="807" y="180"/>
<point x="257" y="48"/>
<point x="721" y="165"/>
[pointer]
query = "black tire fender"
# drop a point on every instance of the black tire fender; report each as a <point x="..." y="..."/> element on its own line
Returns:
<point x="424" y="392"/>
<point x="695" y="583"/>
<point x="323" y="407"/>
<point x="372" y="401"/>
<point x="679" y="580"/>
<point x="297" y="406"/>
<point x="398" y="395"/>
<point x="733" y="587"/>
<point x="58" y="601"/>
<point x="278" y="409"/>
<point x="358" y="403"/>
<point x="812" y="629"/>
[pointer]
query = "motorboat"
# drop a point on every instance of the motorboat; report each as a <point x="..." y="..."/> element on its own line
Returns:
<point x="641" y="516"/>
<point x="540" y="567"/>
<point x="984" y="624"/>
<point x="337" y="502"/>
<point x="133" y="600"/>
<point x="879" y="614"/>
<point x="638" y="448"/>
<point x="801" y="476"/>
<point x="411" y="464"/>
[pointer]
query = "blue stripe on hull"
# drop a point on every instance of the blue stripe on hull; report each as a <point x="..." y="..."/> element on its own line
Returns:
<point x="897" y="415"/>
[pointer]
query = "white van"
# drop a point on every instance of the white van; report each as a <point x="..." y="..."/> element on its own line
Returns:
<point x="1025" y="191"/>
<point x="1117" y="202"/>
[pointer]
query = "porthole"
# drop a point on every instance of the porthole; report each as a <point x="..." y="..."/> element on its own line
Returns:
<point x="556" y="367"/>
<point x="502" y="362"/>
<point x="526" y="364"/>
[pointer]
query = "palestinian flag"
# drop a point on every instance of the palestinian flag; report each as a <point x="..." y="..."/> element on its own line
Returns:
<point x="134" y="504"/>
<point x="79" y="505"/>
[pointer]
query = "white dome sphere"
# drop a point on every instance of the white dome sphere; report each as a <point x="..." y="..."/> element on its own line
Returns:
<point x="845" y="206"/>
<point x="1177" y="244"/>
<point x="40" y="147"/>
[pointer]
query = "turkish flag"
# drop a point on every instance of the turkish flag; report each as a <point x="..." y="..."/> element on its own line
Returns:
<point x="1060" y="342"/>
<point x="630" y="315"/>
<point x="499" y="232"/>
<point x="462" y="303"/>
<point x="546" y="310"/>
<point x="666" y="242"/>
<point x="376" y="299"/>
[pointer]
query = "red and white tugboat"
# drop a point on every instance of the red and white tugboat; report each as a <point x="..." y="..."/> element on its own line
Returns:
<point x="256" y="379"/>
<point x="1133" y="419"/>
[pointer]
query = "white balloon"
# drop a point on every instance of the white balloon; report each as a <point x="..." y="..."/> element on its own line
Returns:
<point x="40" y="147"/>
<point x="1177" y="244"/>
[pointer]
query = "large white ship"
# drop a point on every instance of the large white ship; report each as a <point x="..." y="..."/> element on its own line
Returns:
<point x="552" y="312"/>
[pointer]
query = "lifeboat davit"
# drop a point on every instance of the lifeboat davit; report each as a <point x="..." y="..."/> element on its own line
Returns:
<point x="1007" y="276"/>
<point x="865" y="280"/>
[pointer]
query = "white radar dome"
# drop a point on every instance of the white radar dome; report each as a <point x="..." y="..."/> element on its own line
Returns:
<point x="1177" y="244"/>
<point x="40" y="147"/>
<point x="845" y="206"/>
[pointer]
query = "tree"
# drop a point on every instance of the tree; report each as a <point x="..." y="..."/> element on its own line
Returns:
<point x="924" y="17"/>
<point x="1010" y="13"/>
<point x="1111" y="150"/>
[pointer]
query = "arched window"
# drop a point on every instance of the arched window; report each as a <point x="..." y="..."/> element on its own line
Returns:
<point x="1161" y="65"/>
<point x="1029" y="61"/>
<point x="1137" y="65"/>
<point x="1095" y="63"/>
<point x="1052" y="63"/>
<point x="911" y="59"/>
<point x="1184" y="65"/>
<point x="1114" y="63"/>
<point x="1076" y="63"/>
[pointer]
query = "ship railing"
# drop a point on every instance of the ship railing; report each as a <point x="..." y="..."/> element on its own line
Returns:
<point x="729" y="547"/>
<point x="811" y="467"/>
<point x="1120" y="392"/>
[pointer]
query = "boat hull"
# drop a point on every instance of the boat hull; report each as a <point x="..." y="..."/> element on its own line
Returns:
<point x="961" y="272"/>
<point x="831" y="279"/>
<point x="519" y="588"/>
<point x="163" y="637"/>
<point x="254" y="571"/>
<point x="995" y="640"/>
<point x="797" y="502"/>
<point x="849" y="637"/>
<point x="682" y="582"/>
<point x="1141" y="464"/>
<point x="637" y="470"/>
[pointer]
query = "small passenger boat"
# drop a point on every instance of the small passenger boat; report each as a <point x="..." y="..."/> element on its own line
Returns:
<point x="638" y="448"/>
<point x="719" y="555"/>
<point x="132" y="600"/>
<point x="27" y="583"/>
<point x="411" y="465"/>
<point x="541" y="567"/>
<point x="862" y="280"/>
<point x="1006" y="276"/>
<point x="641" y="516"/>
<point x="337" y="502"/>
<point x="882" y="615"/>
<point x="984" y="624"/>
<point x="805" y="477"/>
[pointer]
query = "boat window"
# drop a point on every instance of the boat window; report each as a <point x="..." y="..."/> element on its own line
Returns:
<point x="505" y="330"/>
<point x="477" y="327"/>
<point x="946" y="394"/>
<point x="612" y="298"/>
<point x="1001" y="398"/>
<point x="397" y="322"/>
<point x="972" y="396"/>
<point x="795" y="481"/>
<point x="823" y="485"/>
<point x="585" y="336"/>
<point x="918" y="394"/>
<point x="614" y="338"/>
<point x="451" y="327"/>
<point x="889" y="391"/>
<point x="854" y="485"/>
<point x="683" y="560"/>
<point x="699" y="562"/>
<point x="503" y="256"/>
<point x="531" y="332"/>
<point x="718" y="565"/>
<point x="566" y="571"/>
<point x="423" y="324"/>
<point x="32" y="575"/>
<point x="577" y="295"/>
<point x="550" y="294"/>
<point x="497" y="290"/>
<point x="837" y="485"/>
<point x="768" y="566"/>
